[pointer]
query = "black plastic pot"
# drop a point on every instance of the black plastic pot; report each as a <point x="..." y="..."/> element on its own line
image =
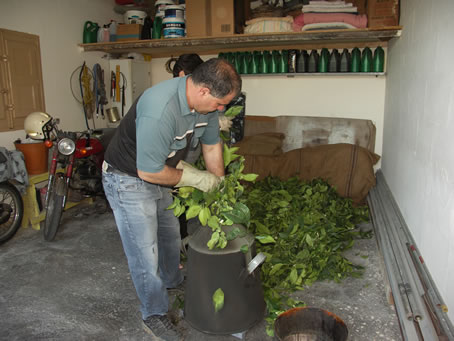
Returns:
<point x="227" y="269"/>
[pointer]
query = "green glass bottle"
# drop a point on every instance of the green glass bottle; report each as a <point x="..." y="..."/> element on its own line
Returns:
<point x="356" y="60"/>
<point x="366" y="60"/>
<point x="379" y="60"/>
<point x="323" y="60"/>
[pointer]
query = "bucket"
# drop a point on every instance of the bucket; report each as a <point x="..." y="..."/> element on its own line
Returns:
<point x="175" y="11"/>
<point x="231" y="270"/>
<point x="36" y="155"/>
<point x="173" y="28"/>
<point x="160" y="6"/>
<point x="134" y="17"/>
<point x="113" y="115"/>
<point x="309" y="323"/>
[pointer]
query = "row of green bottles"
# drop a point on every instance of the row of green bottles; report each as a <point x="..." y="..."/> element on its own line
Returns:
<point x="258" y="62"/>
<point x="290" y="61"/>
<point x="365" y="62"/>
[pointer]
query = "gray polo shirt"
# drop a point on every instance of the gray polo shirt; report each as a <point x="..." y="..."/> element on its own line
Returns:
<point x="164" y="122"/>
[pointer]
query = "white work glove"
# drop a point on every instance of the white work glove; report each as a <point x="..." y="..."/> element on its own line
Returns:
<point x="202" y="180"/>
<point x="225" y="123"/>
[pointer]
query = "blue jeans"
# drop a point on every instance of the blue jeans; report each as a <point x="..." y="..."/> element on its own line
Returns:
<point x="150" y="235"/>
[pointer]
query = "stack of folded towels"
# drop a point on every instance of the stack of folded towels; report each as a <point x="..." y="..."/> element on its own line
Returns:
<point x="323" y="14"/>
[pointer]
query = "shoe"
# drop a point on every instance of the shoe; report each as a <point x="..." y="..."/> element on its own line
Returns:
<point x="161" y="329"/>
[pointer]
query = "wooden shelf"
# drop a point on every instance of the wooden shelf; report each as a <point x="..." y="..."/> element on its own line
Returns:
<point x="347" y="38"/>
<point x="316" y="74"/>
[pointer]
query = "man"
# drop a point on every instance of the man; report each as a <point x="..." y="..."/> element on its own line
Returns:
<point x="143" y="162"/>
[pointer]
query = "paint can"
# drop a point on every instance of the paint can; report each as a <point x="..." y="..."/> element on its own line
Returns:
<point x="173" y="28"/>
<point x="160" y="6"/>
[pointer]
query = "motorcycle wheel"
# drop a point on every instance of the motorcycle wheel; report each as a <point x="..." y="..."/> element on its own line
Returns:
<point x="54" y="209"/>
<point x="11" y="211"/>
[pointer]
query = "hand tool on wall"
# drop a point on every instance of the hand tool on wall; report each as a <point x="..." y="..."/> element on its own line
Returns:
<point x="123" y="88"/>
<point x="112" y="85"/>
<point x="117" y="83"/>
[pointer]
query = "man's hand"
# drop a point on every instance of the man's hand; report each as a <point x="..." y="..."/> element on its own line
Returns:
<point x="202" y="180"/>
<point x="225" y="123"/>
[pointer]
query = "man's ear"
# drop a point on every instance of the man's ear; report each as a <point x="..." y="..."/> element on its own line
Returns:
<point x="204" y="91"/>
<point x="181" y="74"/>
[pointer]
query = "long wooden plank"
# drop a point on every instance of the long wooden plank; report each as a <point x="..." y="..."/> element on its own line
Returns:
<point x="209" y="45"/>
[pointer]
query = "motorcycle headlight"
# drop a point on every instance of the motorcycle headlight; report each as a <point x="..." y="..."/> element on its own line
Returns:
<point x="66" y="146"/>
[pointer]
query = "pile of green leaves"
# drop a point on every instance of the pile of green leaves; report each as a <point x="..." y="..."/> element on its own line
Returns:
<point x="303" y="228"/>
<point x="221" y="206"/>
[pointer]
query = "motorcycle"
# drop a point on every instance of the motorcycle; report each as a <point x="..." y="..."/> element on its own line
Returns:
<point x="75" y="171"/>
<point x="11" y="204"/>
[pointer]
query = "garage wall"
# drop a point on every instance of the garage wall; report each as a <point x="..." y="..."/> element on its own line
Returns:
<point x="418" y="161"/>
<point x="59" y="24"/>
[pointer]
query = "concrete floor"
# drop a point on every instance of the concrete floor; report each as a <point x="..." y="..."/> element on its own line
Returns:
<point x="78" y="288"/>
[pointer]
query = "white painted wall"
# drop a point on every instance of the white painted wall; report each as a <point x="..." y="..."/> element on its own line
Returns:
<point x="59" y="24"/>
<point x="418" y="163"/>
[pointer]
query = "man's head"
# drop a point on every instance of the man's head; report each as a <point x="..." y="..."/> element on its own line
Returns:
<point x="217" y="83"/>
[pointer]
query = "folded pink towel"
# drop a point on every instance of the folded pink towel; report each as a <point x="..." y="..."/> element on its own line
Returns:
<point x="357" y="20"/>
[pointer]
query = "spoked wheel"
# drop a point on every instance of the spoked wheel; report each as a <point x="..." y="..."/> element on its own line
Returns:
<point x="54" y="210"/>
<point x="11" y="211"/>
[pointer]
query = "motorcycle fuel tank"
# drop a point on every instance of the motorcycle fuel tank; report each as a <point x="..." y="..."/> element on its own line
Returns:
<point x="231" y="270"/>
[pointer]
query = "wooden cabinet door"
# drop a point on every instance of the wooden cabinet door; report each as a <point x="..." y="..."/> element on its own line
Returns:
<point x="22" y="75"/>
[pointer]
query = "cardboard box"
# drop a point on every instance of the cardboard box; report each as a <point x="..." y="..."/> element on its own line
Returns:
<point x="382" y="13"/>
<point x="128" y="32"/>
<point x="197" y="18"/>
<point x="222" y="17"/>
<point x="206" y="18"/>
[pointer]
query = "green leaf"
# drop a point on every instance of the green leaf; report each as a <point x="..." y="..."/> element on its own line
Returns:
<point x="204" y="215"/>
<point x="218" y="300"/>
<point x="309" y="240"/>
<point x="213" y="241"/>
<point x="174" y="204"/>
<point x="293" y="277"/>
<point x="275" y="268"/>
<point x="239" y="214"/>
<point x="249" y="177"/>
<point x="231" y="235"/>
<point x="233" y="111"/>
<point x="265" y="239"/>
<point x="193" y="211"/>
<point x="213" y="222"/>
<point x="244" y="248"/>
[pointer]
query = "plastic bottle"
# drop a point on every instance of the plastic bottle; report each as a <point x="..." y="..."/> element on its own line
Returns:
<point x="283" y="62"/>
<point x="301" y="61"/>
<point x="323" y="61"/>
<point x="157" y="28"/>
<point x="113" y="30"/>
<point x="313" y="61"/>
<point x="345" y="62"/>
<point x="366" y="60"/>
<point x="356" y="60"/>
<point x="334" y="61"/>
<point x="379" y="60"/>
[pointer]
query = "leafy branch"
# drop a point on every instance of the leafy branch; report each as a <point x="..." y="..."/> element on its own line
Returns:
<point x="222" y="206"/>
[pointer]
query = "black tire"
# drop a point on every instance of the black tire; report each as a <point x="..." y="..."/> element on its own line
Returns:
<point x="54" y="209"/>
<point x="11" y="211"/>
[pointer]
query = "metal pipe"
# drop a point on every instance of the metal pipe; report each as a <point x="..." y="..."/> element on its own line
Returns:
<point x="419" y="309"/>
<point x="408" y="283"/>
<point x="439" y="307"/>
<point x="408" y="328"/>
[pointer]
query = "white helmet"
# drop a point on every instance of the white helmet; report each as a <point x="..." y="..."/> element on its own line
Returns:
<point x="35" y="123"/>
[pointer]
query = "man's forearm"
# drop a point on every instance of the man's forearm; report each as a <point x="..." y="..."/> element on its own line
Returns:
<point x="212" y="154"/>
<point x="168" y="176"/>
